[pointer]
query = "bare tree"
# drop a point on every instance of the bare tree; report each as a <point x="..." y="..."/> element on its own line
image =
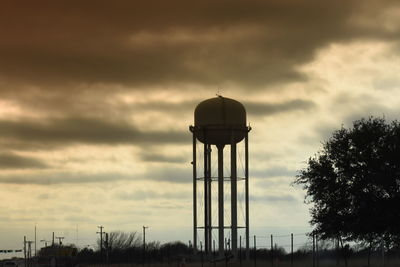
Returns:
<point x="120" y="240"/>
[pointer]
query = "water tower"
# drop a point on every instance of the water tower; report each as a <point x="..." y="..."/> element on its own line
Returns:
<point x="219" y="123"/>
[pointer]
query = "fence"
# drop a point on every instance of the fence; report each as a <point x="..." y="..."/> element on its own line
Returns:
<point x="301" y="249"/>
<point x="269" y="250"/>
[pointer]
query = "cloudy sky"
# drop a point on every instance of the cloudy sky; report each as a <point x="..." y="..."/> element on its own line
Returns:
<point x="96" y="99"/>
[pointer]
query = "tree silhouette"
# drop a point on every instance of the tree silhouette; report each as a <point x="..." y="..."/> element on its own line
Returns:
<point x="123" y="240"/>
<point x="354" y="184"/>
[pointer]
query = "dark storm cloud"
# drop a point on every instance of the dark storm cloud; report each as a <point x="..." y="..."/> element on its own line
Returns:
<point x="61" y="178"/>
<point x="84" y="130"/>
<point x="14" y="161"/>
<point x="264" y="109"/>
<point x="52" y="132"/>
<point x="188" y="106"/>
<point x="173" y="175"/>
<point x="163" y="42"/>
<point x="252" y="107"/>
<point x="164" y="106"/>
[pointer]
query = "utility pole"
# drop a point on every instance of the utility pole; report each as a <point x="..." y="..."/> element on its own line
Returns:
<point x="25" y="250"/>
<point x="59" y="239"/>
<point x="291" y="249"/>
<point x="144" y="243"/>
<point x="101" y="240"/>
<point x="35" y="240"/>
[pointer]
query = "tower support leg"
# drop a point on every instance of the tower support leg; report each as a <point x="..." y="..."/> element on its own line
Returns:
<point x="194" y="162"/>
<point x="246" y="170"/>
<point x="205" y="198"/>
<point x="221" y="199"/>
<point x="233" y="196"/>
<point x="209" y="195"/>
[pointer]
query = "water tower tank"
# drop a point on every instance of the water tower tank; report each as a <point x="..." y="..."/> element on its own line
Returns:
<point x="220" y="119"/>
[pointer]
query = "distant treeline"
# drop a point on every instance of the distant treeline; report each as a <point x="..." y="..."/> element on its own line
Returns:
<point x="124" y="247"/>
<point x="128" y="248"/>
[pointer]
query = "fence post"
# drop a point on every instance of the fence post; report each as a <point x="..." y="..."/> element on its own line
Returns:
<point x="316" y="249"/>
<point x="291" y="249"/>
<point x="214" y="252"/>
<point x="383" y="252"/>
<point x="240" y="251"/>
<point x="168" y="254"/>
<point x="272" y="250"/>
<point x="255" y="252"/>
<point x="337" y="252"/>
<point x="313" y="250"/>
<point x="201" y="254"/>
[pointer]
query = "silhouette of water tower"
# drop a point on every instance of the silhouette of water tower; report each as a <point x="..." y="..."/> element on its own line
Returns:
<point x="219" y="122"/>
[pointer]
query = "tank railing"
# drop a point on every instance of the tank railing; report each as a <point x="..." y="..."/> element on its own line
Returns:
<point x="219" y="128"/>
<point x="226" y="178"/>
<point x="225" y="227"/>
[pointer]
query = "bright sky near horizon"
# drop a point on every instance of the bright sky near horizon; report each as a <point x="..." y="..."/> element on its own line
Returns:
<point x="96" y="98"/>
